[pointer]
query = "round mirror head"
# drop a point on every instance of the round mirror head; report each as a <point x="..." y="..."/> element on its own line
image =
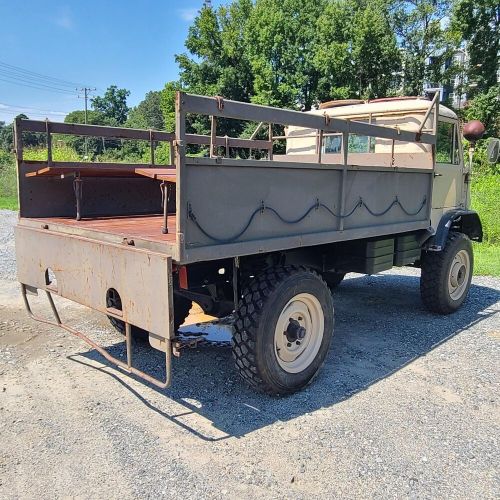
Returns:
<point x="474" y="130"/>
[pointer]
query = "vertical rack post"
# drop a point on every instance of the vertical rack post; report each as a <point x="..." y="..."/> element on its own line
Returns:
<point x="18" y="145"/>
<point x="319" y="144"/>
<point x="152" y="146"/>
<point x="180" y="153"/>
<point x="213" y="136"/>
<point x="172" y="152"/>
<point x="270" y="141"/>
<point x="77" y="187"/>
<point x="49" y="143"/>
<point x="18" y="139"/>
<point x="164" y="199"/>
<point x="345" y="151"/>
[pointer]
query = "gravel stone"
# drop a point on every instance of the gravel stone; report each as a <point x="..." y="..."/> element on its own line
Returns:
<point x="8" y="219"/>
<point x="406" y="406"/>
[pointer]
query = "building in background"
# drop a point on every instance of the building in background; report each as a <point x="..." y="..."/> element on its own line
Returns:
<point x="454" y="88"/>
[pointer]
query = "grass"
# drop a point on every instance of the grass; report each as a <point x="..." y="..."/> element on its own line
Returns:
<point x="486" y="259"/>
<point x="8" y="202"/>
<point x="485" y="193"/>
<point x="8" y="182"/>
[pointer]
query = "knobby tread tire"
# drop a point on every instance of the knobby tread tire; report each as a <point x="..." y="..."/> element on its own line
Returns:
<point x="435" y="269"/>
<point x="248" y="316"/>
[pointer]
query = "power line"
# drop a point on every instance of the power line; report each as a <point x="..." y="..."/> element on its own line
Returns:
<point x="39" y="76"/>
<point x="27" y="113"/>
<point x="6" y="106"/>
<point x="24" y="79"/>
<point x="46" y="88"/>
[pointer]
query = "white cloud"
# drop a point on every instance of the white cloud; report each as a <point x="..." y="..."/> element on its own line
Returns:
<point x="64" y="19"/>
<point x="188" y="14"/>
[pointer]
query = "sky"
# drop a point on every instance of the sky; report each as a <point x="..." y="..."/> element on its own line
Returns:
<point x="93" y="43"/>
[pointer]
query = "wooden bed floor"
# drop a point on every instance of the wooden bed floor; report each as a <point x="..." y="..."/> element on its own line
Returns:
<point x="146" y="227"/>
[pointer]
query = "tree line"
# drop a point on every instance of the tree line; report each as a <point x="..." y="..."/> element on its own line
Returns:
<point x="298" y="53"/>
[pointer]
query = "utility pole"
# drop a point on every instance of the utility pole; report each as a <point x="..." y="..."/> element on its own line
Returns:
<point x="86" y="93"/>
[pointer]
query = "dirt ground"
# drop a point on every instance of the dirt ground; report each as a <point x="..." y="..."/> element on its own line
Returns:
<point x="406" y="406"/>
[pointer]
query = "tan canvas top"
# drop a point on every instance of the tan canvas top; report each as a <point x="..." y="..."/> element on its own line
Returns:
<point x="417" y="104"/>
<point x="406" y="114"/>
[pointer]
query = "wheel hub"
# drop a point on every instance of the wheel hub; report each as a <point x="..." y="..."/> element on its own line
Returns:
<point x="295" y="331"/>
<point x="299" y="333"/>
<point x="459" y="275"/>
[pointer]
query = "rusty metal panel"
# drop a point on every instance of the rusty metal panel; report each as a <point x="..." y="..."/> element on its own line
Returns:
<point x="86" y="269"/>
<point x="55" y="197"/>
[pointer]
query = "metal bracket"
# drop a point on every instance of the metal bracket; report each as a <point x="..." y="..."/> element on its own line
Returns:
<point x="117" y="362"/>
<point x="77" y="187"/>
<point x="164" y="201"/>
<point x="220" y="102"/>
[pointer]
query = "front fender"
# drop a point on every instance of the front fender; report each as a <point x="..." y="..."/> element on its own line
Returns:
<point x="464" y="221"/>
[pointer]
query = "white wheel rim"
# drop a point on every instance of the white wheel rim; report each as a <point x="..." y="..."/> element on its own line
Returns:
<point x="458" y="277"/>
<point x="295" y="356"/>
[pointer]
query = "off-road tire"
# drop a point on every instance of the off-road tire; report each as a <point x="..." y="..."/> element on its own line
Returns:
<point x="333" y="279"/>
<point x="436" y="268"/>
<point x="182" y="307"/>
<point x="256" y="316"/>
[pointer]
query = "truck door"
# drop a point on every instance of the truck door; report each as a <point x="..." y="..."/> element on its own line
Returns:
<point x="449" y="175"/>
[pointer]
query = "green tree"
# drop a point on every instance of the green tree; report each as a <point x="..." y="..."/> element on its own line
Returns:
<point x="113" y="105"/>
<point x="94" y="145"/>
<point x="30" y="139"/>
<point x="6" y="137"/>
<point x="419" y="24"/>
<point x="148" y="113"/>
<point x="167" y="104"/>
<point x="485" y="107"/>
<point x="281" y="42"/>
<point x="93" y="117"/>
<point x="216" y="63"/>
<point x="478" y="24"/>
<point x="332" y="51"/>
<point x="375" y="54"/>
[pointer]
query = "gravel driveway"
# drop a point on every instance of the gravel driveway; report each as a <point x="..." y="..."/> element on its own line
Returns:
<point x="406" y="406"/>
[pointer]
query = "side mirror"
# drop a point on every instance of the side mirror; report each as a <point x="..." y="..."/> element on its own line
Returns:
<point x="493" y="150"/>
<point x="473" y="131"/>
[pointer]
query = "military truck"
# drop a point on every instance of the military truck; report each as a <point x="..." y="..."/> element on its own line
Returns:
<point x="260" y="227"/>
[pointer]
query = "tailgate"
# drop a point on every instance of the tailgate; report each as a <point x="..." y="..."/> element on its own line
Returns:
<point x="86" y="269"/>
